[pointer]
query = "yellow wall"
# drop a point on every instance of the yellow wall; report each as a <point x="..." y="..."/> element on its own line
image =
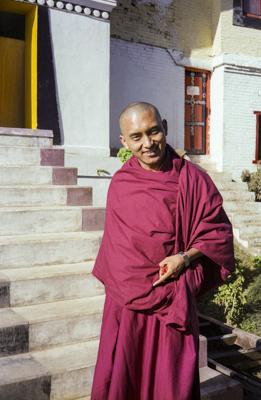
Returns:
<point x="30" y="78"/>
<point x="228" y="38"/>
<point x="205" y="28"/>
<point x="193" y="26"/>
<point x="31" y="68"/>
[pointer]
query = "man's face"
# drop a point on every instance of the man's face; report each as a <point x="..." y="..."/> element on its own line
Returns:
<point x="143" y="133"/>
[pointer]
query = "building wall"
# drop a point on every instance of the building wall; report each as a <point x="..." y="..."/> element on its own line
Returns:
<point x="146" y="73"/>
<point x="193" y="26"/>
<point x="144" y="21"/>
<point x="228" y="38"/>
<point x="217" y="117"/>
<point x="81" y="58"/>
<point x="164" y="23"/>
<point x="242" y="96"/>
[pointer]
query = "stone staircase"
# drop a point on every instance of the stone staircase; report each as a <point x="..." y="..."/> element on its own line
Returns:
<point x="240" y="205"/>
<point x="50" y="304"/>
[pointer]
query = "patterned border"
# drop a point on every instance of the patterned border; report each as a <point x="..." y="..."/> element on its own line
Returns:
<point x="72" y="8"/>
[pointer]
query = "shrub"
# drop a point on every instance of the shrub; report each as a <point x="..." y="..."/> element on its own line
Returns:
<point x="232" y="296"/>
<point x="253" y="181"/>
<point x="124" y="154"/>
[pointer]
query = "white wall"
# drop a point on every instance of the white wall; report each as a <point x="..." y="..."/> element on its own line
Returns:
<point x="81" y="57"/>
<point x="146" y="73"/>
<point x="216" y="133"/>
<point x="235" y="95"/>
<point x="242" y="96"/>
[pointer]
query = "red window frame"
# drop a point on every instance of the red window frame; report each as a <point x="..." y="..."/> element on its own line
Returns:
<point x="257" y="159"/>
<point x="258" y="16"/>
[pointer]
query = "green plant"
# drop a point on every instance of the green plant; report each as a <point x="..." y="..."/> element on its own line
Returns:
<point x="256" y="262"/>
<point x="124" y="154"/>
<point x="249" y="324"/>
<point x="232" y="295"/>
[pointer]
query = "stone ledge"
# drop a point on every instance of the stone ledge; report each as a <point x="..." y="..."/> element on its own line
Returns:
<point x="38" y="133"/>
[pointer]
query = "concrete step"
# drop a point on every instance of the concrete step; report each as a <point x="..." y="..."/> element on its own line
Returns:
<point x="84" y="398"/>
<point x="229" y="195"/>
<point x="254" y="239"/>
<point x="61" y="373"/>
<point x="48" y="283"/>
<point x="66" y="372"/>
<point x="26" y="220"/>
<point x="221" y="176"/>
<point x="11" y="156"/>
<point x="208" y="166"/>
<point x="200" y="158"/>
<point x="216" y="386"/>
<point x="50" y="324"/>
<point x="231" y="186"/>
<point x="246" y="218"/>
<point x="46" y="249"/>
<point x="251" y="243"/>
<point x="25" y="137"/>
<point x="248" y="230"/>
<point x="45" y="195"/>
<point x="35" y="175"/>
<point x="21" y="220"/>
<point x="242" y="206"/>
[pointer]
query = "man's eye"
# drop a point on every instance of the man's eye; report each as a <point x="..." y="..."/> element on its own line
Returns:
<point x="135" y="138"/>
<point x="154" y="132"/>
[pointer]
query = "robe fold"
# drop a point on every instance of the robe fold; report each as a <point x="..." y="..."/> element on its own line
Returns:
<point x="149" y="337"/>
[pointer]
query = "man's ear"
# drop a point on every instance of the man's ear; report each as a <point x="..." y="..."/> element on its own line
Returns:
<point x="123" y="142"/>
<point x="165" y="126"/>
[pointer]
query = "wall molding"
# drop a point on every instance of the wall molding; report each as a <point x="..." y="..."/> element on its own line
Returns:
<point x="97" y="9"/>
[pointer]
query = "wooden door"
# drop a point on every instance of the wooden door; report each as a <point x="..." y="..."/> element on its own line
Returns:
<point x="12" y="82"/>
<point x="196" y="111"/>
<point x="12" y="68"/>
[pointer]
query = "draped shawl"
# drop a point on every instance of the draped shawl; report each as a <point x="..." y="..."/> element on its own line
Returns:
<point x="154" y="214"/>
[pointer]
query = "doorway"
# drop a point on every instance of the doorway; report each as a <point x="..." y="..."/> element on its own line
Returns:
<point x="18" y="65"/>
<point x="12" y="70"/>
<point x="197" y="104"/>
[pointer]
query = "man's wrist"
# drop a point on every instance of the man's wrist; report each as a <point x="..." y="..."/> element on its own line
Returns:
<point x="185" y="258"/>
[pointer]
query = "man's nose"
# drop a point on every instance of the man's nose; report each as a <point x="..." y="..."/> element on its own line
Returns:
<point x="147" y="141"/>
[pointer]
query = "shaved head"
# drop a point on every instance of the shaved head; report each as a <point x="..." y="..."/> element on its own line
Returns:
<point x="136" y="108"/>
<point x="143" y="132"/>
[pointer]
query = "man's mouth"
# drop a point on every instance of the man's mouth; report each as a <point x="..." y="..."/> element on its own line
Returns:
<point x="150" y="153"/>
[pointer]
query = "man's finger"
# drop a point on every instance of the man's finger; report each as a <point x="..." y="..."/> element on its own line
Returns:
<point x="162" y="279"/>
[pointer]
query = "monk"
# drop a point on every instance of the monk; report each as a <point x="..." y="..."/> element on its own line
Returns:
<point x="166" y="241"/>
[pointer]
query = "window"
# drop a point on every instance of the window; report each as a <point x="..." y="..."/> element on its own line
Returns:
<point x="258" y="137"/>
<point x="247" y="13"/>
<point x="252" y="8"/>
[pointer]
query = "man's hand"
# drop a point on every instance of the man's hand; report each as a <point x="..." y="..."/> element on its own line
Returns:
<point x="170" y="267"/>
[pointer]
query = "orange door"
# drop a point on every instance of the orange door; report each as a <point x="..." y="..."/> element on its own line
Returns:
<point x="196" y="111"/>
<point x="12" y="82"/>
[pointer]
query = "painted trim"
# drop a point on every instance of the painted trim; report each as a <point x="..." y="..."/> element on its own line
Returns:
<point x="98" y="9"/>
<point x="257" y="159"/>
<point x="31" y="29"/>
<point x="47" y="103"/>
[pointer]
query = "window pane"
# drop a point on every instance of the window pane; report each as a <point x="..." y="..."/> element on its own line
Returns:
<point x="252" y="7"/>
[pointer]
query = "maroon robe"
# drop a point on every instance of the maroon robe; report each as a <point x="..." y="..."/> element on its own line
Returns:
<point x="149" y="337"/>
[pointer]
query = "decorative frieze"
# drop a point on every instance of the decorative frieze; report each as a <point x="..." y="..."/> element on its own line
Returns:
<point x="96" y="9"/>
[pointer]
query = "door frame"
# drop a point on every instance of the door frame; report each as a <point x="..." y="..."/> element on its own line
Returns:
<point x="208" y="111"/>
<point x="31" y="28"/>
